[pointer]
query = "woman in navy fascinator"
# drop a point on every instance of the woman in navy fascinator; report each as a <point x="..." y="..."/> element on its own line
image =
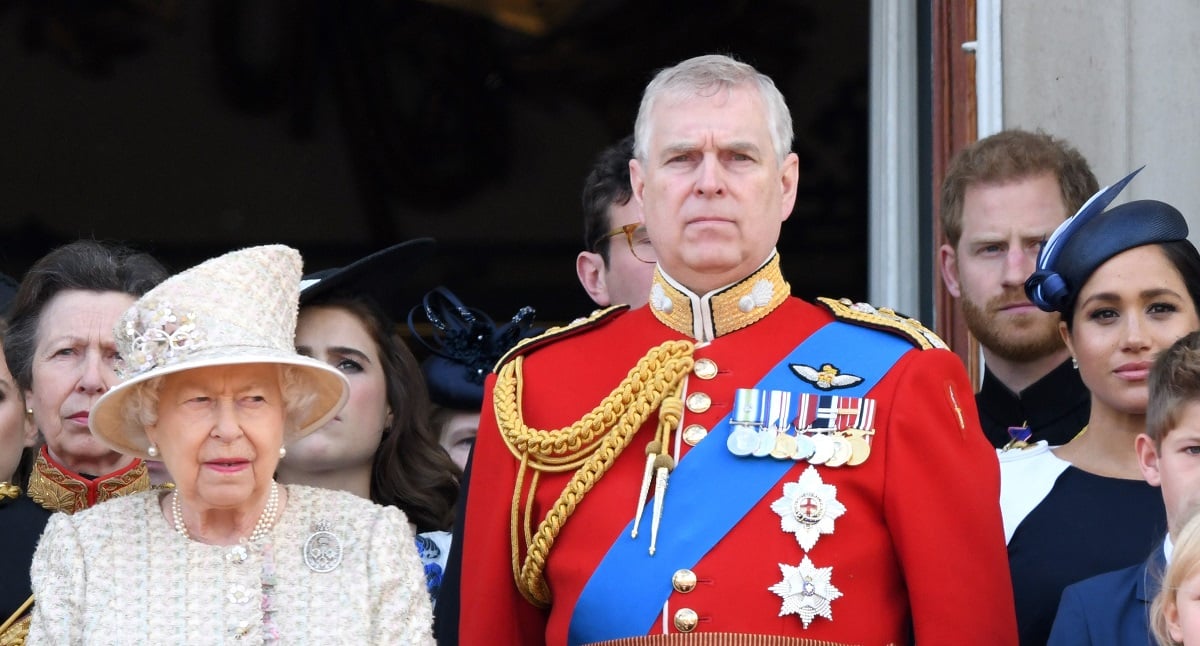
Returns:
<point x="465" y="344"/>
<point x="1125" y="282"/>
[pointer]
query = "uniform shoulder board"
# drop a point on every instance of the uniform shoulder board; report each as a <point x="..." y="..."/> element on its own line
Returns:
<point x="883" y="318"/>
<point x="596" y="318"/>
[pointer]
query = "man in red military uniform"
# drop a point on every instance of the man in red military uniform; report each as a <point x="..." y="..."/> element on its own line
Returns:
<point x="730" y="462"/>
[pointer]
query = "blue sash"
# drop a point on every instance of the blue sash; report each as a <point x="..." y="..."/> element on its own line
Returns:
<point x="627" y="591"/>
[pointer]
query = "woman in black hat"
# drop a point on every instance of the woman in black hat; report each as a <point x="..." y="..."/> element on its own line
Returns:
<point x="466" y="344"/>
<point x="380" y="446"/>
<point x="1126" y="282"/>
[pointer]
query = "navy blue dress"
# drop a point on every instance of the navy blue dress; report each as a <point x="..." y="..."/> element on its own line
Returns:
<point x="22" y="521"/>
<point x="1086" y="525"/>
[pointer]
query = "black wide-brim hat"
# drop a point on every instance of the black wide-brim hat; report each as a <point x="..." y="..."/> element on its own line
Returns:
<point x="8" y="291"/>
<point x="384" y="277"/>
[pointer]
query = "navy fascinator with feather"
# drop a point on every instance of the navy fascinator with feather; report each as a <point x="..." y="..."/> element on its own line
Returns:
<point x="466" y="344"/>
<point x="1091" y="237"/>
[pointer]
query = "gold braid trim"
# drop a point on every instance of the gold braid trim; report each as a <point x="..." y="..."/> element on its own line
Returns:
<point x="885" y="319"/>
<point x="9" y="491"/>
<point x="578" y="325"/>
<point x="589" y="446"/>
<point x="58" y="489"/>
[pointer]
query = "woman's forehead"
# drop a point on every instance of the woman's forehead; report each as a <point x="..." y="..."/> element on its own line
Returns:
<point x="233" y="375"/>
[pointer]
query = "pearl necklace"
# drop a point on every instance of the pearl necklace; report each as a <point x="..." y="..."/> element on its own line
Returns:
<point x="265" y="521"/>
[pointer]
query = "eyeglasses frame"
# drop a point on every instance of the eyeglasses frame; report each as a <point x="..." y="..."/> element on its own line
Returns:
<point x="628" y="230"/>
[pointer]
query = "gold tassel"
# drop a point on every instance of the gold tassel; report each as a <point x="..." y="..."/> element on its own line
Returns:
<point x="651" y="450"/>
<point x="663" y="466"/>
<point x="669" y="415"/>
<point x="9" y="491"/>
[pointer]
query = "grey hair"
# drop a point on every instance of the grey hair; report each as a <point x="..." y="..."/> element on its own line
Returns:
<point x="706" y="76"/>
<point x="299" y="397"/>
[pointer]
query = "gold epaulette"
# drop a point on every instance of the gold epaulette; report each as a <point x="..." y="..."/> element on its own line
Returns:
<point x="598" y="317"/>
<point x="883" y="318"/>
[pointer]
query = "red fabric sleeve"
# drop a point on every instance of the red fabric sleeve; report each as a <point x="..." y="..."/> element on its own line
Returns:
<point x="941" y="502"/>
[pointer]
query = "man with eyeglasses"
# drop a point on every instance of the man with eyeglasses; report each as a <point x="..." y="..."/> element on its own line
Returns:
<point x="729" y="460"/>
<point x="619" y="260"/>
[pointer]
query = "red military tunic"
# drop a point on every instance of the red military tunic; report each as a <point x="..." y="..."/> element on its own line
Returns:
<point x="919" y="550"/>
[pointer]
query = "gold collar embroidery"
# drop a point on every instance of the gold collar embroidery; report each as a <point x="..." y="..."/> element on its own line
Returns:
<point x="721" y="311"/>
<point x="57" y="488"/>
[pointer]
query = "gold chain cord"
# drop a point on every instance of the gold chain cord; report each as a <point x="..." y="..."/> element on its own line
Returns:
<point x="590" y="446"/>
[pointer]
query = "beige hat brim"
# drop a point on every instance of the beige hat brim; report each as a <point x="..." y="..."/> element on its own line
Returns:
<point x="128" y="436"/>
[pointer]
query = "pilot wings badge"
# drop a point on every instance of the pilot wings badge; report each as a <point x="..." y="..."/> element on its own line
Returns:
<point x="827" y="378"/>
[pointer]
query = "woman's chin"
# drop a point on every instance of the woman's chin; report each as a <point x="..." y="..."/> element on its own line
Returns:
<point x="89" y="456"/>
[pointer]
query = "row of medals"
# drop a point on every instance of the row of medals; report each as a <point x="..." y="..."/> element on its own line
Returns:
<point x="830" y="447"/>
<point x="806" y="590"/>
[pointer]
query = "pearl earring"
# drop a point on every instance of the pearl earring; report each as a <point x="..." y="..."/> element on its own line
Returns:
<point x="1075" y="363"/>
<point x="29" y="410"/>
<point x="152" y="451"/>
<point x="282" y="452"/>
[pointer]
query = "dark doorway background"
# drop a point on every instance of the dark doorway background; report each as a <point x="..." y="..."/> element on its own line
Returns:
<point x="187" y="129"/>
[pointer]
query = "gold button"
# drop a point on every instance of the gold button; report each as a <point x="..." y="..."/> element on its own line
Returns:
<point x="705" y="368"/>
<point x="683" y="580"/>
<point x="686" y="620"/>
<point x="694" y="433"/>
<point x="698" y="402"/>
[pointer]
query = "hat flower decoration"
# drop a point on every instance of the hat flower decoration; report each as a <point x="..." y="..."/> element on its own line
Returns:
<point x="157" y="337"/>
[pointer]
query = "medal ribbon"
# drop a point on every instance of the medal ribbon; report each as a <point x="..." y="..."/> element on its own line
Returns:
<point x="626" y="592"/>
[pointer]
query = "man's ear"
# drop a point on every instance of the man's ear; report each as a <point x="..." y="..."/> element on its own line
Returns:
<point x="589" y="266"/>
<point x="948" y="263"/>
<point x="636" y="181"/>
<point x="789" y="182"/>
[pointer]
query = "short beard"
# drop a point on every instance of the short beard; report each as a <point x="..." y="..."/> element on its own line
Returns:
<point x="1026" y="339"/>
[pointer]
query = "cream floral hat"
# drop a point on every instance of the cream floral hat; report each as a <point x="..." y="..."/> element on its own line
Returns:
<point x="238" y="308"/>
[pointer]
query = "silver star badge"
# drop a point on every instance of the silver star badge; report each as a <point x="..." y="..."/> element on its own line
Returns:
<point x="808" y="508"/>
<point x="806" y="591"/>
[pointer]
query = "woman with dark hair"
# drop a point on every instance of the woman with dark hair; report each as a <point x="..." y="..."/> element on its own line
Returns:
<point x="60" y="349"/>
<point x="1125" y="281"/>
<point x="380" y="446"/>
<point x="17" y="437"/>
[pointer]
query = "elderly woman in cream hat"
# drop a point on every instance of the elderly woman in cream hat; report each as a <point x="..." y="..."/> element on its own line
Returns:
<point x="214" y="389"/>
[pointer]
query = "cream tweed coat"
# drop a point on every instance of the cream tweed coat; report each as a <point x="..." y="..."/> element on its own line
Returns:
<point x="118" y="573"/>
